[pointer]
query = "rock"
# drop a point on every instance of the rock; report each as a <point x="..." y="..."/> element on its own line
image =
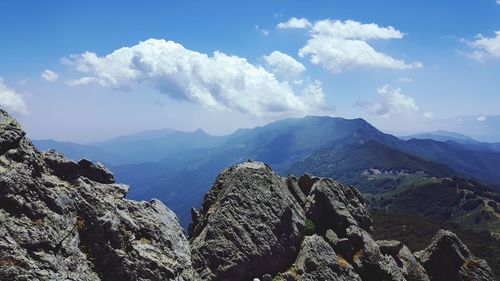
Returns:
<point x="412" y="270"/>
<point x="447" y="258"/>
<point x="368" y="260"/>
<point x="250" y="225"/>
<point x="95" y="171"/>
<point x="293" y="187"/>
<point x="332" y="206"/>
<point x="55" y="229"/>
<point x="390" y="247"/>
<point x="10" y="132"/>
<point x="70" y="170"/>
<point x="306" y="182"/>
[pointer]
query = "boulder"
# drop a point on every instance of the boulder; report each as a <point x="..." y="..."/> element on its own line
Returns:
<point x="249" y="225"/>
<point x="447" y="258"/>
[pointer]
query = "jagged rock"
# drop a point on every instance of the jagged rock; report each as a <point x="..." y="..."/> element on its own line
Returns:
<point x="53" y="229"/>
<point x="293" y="187"/>
<point x="368" y="261"/>
<point x="333" y="206"/>
<point x="70" y="170"/>
<point x="412" y="269"/>
<point x="250" y="225"/>
<point x="306" y="182"/>
<point x="95" y="171"/>
<point x="447" y="258"/>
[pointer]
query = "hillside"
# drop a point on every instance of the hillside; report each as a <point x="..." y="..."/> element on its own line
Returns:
<point x="176" y="165"/>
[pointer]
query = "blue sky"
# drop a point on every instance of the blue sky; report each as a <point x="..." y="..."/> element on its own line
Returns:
<point x="402" y="65"/>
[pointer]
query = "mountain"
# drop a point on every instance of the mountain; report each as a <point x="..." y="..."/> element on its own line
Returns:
<point x="77" y="151"/>
<point x="441" y="135"/>
<point x="454" y="138"/>
<point x="175" y="166"/>
<point x="370" y="166"/>
<point x="63" y="219"/>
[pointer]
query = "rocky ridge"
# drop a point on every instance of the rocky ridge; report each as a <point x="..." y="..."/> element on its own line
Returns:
<point x="67" y="220"/>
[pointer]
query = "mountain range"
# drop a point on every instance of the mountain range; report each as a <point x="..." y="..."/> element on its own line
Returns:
<point x="69" y="220"/>
<point x="175" y="166"/>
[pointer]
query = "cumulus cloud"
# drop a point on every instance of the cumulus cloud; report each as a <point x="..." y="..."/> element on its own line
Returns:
<point x="284" y="65"/>
<point x="484" y="47"/>
<point x="49" y="75"/>
<point x="220" y="81"/>
<point x="482" y="118"/>
<point x="391" y="102"/>
<point x="340" y="45"/>
<point x="11" y="100"/>
<point x="295" y="23"/>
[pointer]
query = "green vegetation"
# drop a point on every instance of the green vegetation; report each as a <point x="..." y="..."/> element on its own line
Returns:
<point x="310" y="227"/>
<point x="416" y="232"/>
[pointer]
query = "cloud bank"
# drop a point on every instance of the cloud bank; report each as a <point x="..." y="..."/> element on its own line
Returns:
<point x="341" y="45"/>
<point x="11" y="100"/>
<point x="219" y="82"/>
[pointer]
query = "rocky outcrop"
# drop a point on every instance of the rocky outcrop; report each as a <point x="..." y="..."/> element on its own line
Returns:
<point x="254" y="225"/>
<point x="249" y="225"/>
<point x="65" y="220"/>
<point x="447" y="258"/>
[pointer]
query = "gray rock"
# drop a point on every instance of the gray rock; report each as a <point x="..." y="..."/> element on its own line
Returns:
<point x="293" y="187"/>
<point x="412" y="269"/>
<point x="447" y="258"/>
<point x="332" y="206"/>
<point x="368" y="261"/>
<point x="70" y="170"/>
<point x="250" y="225"/>
<point x="306" y="182"/>
<point x="53" y="229"/>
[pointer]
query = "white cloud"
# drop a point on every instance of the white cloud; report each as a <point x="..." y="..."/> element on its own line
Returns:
<point x="391" y="102"/>
<point x="498" y="2"/>
<point x="284" y="65"/>
<point x="482" y="118"/>
<point x="301" y="23"/>
<point x="220" y="81"/>
<point x="341" y="45"/>
<point x="262" y="31"/>
<point x="484" y="47"/>
<point x="428" y="115"/>
<point x="11" y="100"/>
<point x="49" y="75"/>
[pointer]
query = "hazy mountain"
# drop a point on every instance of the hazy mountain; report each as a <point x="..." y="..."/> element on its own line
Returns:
<point x="77" y="151"/>
<point x="177" y="167"/>
<point x="441" y="135"/>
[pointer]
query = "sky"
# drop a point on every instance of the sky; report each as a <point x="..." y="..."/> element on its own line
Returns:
<point x="86" y="71"/>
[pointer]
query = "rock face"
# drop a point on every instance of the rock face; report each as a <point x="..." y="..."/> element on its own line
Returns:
<point x="249" y="225"/>
<point x="63" y="220"/>
<point x="67" y="220"/>
<point x="255" y="225"/>
<point x="447" y="258"/>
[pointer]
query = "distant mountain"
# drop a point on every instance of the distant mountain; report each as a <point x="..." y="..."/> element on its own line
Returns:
<point x="442" y="136"/>
<point x="370" y="166"/>
<point x="484" y="128"/>
<point x="178" y="167"/>
<point x="77" y="151"/>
